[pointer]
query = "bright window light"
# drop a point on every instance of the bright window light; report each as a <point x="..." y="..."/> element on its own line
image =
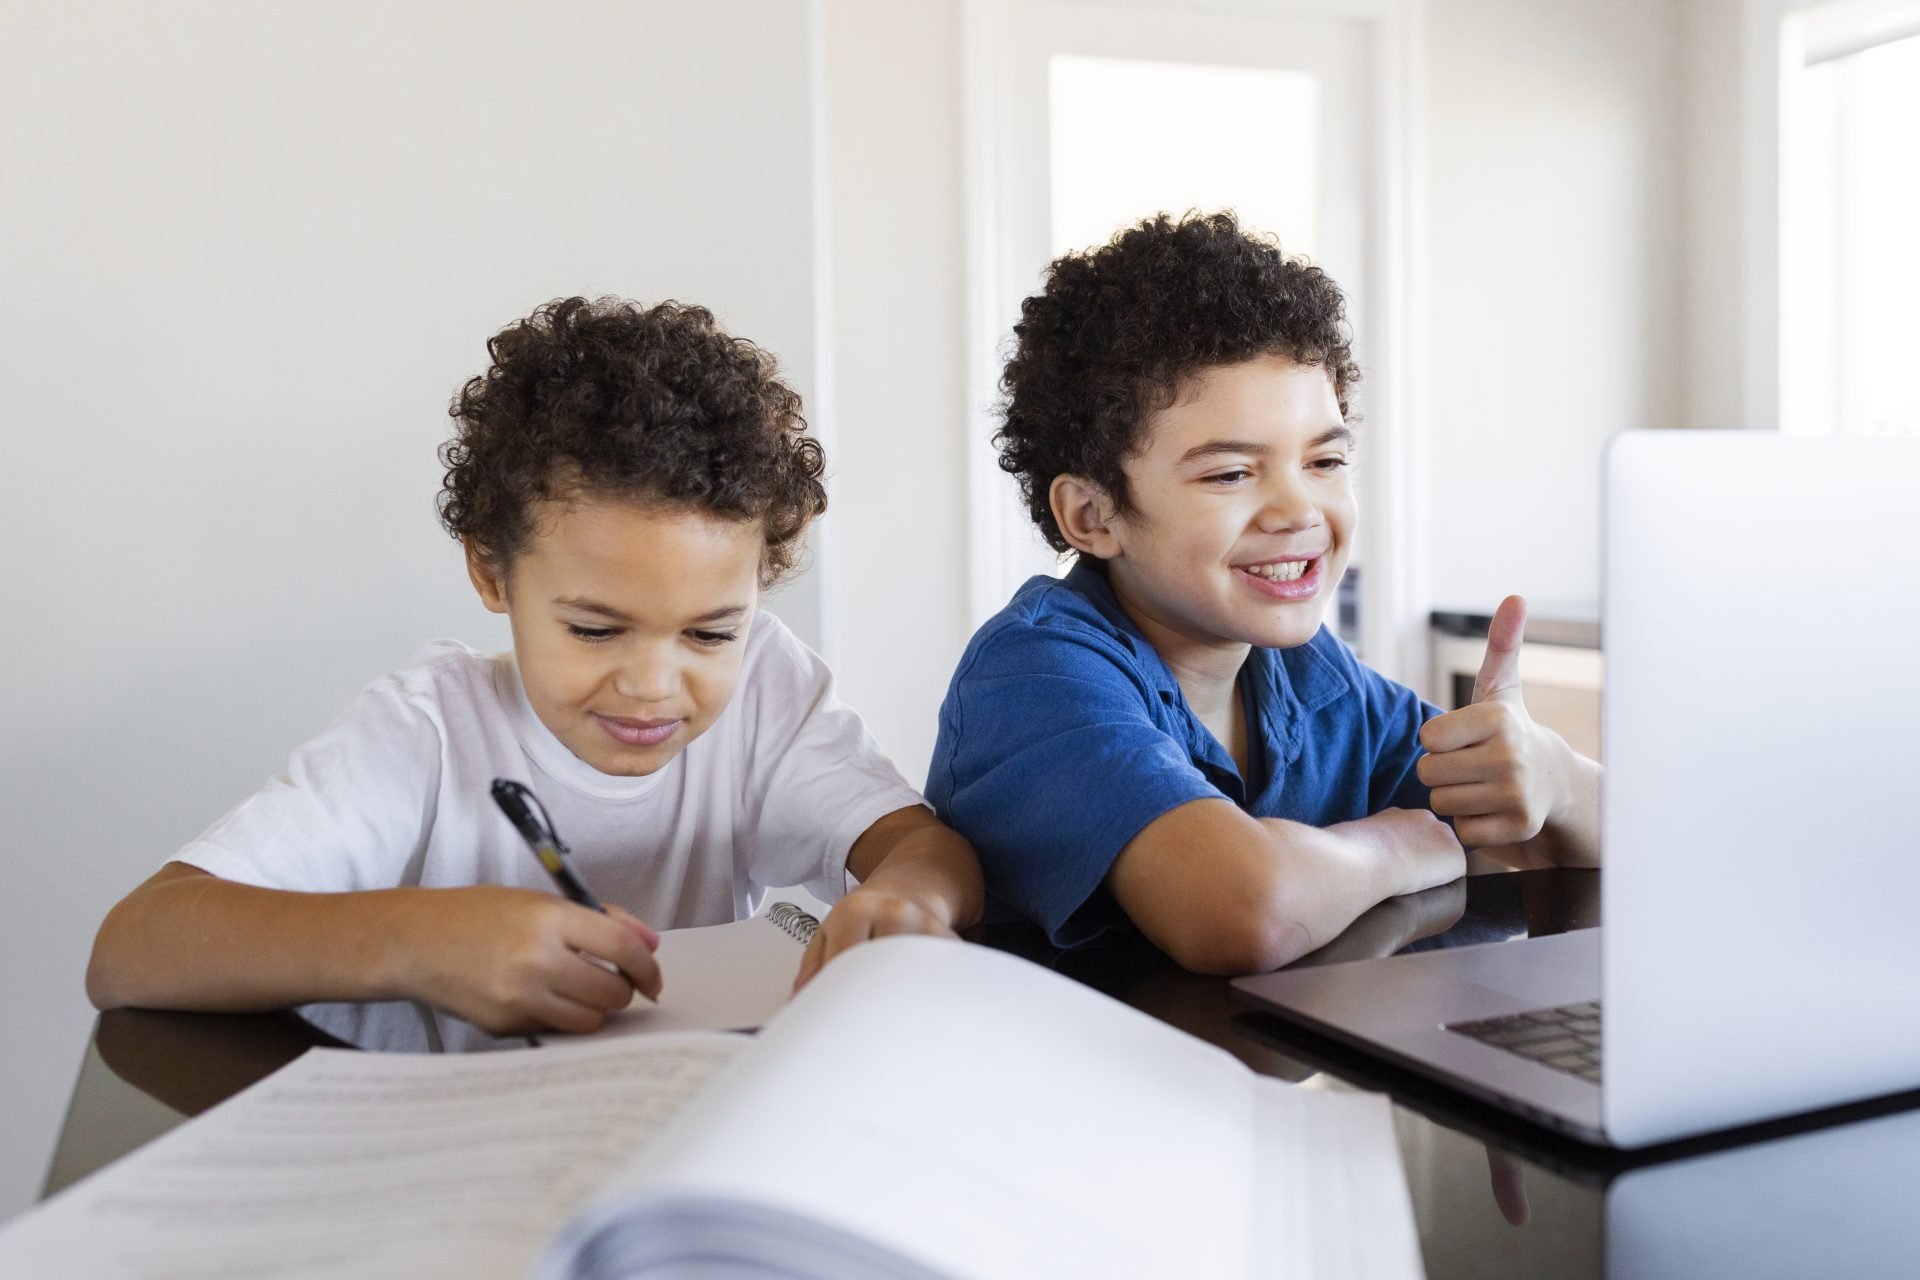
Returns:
<point x="1850" y="203"/>
<point x="1130" y="139"/>
<point x="1880" y="228"/>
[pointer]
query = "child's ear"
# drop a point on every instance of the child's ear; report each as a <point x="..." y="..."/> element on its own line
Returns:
<point x="488" y="579"/>
<point x="1085" y="515"/>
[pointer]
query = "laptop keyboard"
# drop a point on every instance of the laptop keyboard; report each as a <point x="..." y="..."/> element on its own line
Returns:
<point x="1566" y="1038"/>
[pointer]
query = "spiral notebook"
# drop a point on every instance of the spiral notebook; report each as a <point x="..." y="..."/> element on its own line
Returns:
<point x="724" y="977"/>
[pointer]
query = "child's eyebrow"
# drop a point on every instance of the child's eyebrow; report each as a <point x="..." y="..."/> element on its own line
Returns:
<point x="612" y="614"/>
<point x="1214" y="448"/>
<point x="592" y="606"/>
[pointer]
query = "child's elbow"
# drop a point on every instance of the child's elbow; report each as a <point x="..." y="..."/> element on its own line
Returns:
<point x="1273" y="942"/>
<point x="98" y="992"/>
<point x="1255" y="935"/>
<point x="106" y="987"/>
<point x="100" y="986"/>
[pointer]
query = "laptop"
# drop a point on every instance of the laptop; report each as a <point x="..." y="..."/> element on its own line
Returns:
<point x="1760" y="818"/>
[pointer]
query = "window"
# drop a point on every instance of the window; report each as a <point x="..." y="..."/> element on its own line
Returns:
<point x="1129" y="138"/>
<point x="1850" y="204"/>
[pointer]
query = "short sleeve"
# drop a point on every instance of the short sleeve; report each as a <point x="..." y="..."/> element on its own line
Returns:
<point x="1395" y="715"/>
<point x="815" y="779"/>
<point x="353" y="810"/>
<point x="1051" y="761"/>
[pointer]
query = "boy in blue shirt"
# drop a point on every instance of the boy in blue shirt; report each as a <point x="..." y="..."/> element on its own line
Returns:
<point x="1168" y="736"/>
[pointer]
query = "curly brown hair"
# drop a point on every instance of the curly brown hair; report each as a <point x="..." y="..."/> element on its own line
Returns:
<point x="653" y="404"/>
<point x="1114" y="331"/>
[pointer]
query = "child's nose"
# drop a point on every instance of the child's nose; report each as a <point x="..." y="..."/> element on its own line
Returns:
<point x="1286" y="506"/>
<point x="648" y="678"/>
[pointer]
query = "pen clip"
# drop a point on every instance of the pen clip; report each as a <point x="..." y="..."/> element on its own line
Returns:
<point x="528" y="815"/>
<point x="529" y="818"/>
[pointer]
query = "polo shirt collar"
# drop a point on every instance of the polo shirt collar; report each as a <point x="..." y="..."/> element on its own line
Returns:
<point x="1287" y="685"/>
<point x="1092" y="585"/>
<point x="1312" y="677"/>
<point x="1292" y="684"/>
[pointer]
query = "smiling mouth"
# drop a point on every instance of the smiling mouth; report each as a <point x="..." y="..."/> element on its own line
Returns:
<point x="1290" y="579"/>
<point x="1280" y="570"/>
<point x="638" y="733"/>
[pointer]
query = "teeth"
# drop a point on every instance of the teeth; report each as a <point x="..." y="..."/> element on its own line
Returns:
<point x="1284" y="571"/>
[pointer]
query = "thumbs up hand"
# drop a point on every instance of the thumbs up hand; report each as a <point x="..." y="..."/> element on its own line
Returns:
<point x="1499" y="678"/>
<point x="1500" y="776"/>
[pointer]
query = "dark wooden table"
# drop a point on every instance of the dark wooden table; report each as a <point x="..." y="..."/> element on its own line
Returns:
<point x="1836" y="1194"/>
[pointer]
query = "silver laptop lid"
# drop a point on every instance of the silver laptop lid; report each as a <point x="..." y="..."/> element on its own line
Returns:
<point x="1761" y="811"/>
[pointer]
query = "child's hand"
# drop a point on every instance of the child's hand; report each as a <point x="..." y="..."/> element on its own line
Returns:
<point x="1499" y="775"/>
<point x="512" y="961"/>
<point x="916" y="876"/>
<point x="867" y="912"/>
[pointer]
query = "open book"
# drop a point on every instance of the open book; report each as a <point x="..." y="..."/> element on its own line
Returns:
<point x="923" y="1108"/>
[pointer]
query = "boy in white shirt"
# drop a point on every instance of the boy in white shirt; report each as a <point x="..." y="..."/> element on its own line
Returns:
<point x="625" y="482"/>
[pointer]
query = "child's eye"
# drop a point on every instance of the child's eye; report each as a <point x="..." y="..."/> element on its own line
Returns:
<point x="714" y="639"/>
<point x="1234" y="476"/>
<point x="592" y="635"/>
<point x="1330" y="465"/>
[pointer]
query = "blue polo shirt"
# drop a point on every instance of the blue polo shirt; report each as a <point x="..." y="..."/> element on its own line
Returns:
<point x="1064" y="734"/>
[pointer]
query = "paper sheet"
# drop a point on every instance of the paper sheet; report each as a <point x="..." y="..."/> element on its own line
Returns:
<point x="373" y="1165"/>
<point x="1329" y="1187"/>
<point x="725" y="977"/>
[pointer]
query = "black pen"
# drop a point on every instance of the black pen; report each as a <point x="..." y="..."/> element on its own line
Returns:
<point x="529" y="818"/>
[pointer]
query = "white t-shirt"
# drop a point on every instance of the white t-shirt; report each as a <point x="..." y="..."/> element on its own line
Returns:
<point x="397" y="792"/>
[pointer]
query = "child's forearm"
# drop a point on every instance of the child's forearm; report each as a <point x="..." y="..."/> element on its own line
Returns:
<point x="508" y="960"/>
<point x="1330" y="877"/>
<point x="918" y="857"/>
<point x="916" y="876"/>
<point x="1268" y="891"/>
<point x="1573" y="834"/>
<point x="189" y="940"/>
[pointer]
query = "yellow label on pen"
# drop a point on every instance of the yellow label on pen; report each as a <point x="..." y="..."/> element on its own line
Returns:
<point x="550" y="859"/>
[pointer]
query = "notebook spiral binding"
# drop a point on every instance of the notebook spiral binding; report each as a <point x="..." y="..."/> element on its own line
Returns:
<point x="792" y="921"/>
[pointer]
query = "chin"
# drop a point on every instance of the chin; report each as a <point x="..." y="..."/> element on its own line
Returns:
<point x="624" y="764"/>
<point x="1288" y="634"/>
<point x="630" y="768"/>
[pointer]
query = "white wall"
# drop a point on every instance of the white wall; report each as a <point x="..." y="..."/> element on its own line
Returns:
<point x="1611" y="168"/>
<point x="247" y="253"/>
<point x="1554" y="166"/>
<point x="898" y="587"/>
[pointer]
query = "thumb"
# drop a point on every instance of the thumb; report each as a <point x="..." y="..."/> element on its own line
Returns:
<point x="1499" y="678"/>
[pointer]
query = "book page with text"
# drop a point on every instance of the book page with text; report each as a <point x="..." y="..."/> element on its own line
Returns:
<point x="373" y="1165"/>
